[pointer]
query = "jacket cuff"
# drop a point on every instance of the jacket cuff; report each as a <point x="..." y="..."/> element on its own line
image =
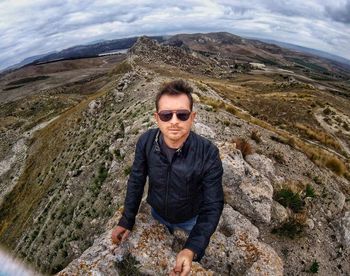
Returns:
<point x="123" y="222"/>
<point x="198" y="252"/>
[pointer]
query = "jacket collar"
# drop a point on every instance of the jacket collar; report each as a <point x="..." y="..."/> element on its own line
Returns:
<point x="182" y="150"/>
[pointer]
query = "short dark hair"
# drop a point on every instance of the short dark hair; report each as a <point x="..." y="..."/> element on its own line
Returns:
<point x="176" y="87"/>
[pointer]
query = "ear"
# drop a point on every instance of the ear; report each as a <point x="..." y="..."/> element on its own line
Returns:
<point x="193" y="115"/>
<point x="155" y="114"/>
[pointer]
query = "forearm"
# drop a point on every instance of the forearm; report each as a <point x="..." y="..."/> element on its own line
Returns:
<point x="206" y="224"/>
<point x="210" y="210"/>
<point x="135" y="187"/>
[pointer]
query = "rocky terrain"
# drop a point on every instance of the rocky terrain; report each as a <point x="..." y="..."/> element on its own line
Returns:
<point x="67" y="151"/>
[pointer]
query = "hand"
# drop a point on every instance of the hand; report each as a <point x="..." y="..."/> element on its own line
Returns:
<point x="119" y="234"/>
<point x="183" y="263"/>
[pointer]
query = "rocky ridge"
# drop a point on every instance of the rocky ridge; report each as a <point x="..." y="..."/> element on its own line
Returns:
<point x="243" y="243"/>
<point x="74" y="220"/>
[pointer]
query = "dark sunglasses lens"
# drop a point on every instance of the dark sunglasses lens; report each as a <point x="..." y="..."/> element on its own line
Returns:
<point x="183" y="115"/>
<point x="165" y="116"/>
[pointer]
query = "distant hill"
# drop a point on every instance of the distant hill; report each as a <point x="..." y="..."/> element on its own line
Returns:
<point x="236" y="49"/>
<point x="92" y="49"/>
<point x="308" y="50"/>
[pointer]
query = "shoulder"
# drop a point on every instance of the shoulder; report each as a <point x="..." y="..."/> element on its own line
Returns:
<point x="147" y="138"/>
<point x="150" y="133"/>
<point x="203" y="142"/>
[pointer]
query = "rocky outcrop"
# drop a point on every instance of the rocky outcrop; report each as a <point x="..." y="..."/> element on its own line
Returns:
<point x="246" y="189"/>
<point x="94" y="106"/>
<point x="153" y="52"/>
<point x="342" y="227"/>
<point x="204" y="130"/>
<point x="234" y="249"/>
<point x="149" y="245"/>
<point x="264" y="165"/>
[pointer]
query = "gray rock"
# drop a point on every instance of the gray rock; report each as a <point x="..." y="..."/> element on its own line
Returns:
<point x="342" y="227"/>
<point x="118" y="96"/>
<point x="336" y="202"/>
<point x="279" y="214"/>
<point x="264" y="165"/>
<point x="235" y="249"/>
<point x="310" y="223"/>
<point x="150" y="244"/>
<point x="245" y="188"/>
<point x="94" y="106"/>
<point x="196" y="98"/>
<point x="234" y="223"/>
<point x="204" y="130"/>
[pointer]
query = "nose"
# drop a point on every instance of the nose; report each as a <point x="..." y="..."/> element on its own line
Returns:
<point x="174" y="119"/>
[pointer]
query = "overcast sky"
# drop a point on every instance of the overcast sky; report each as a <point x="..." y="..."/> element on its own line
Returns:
<point x="35" y="27"/>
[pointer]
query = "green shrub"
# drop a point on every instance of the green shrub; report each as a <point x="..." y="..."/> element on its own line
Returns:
<point x="289" y="199"/>
<point x="128" y="266"/>
<point x="227" y="123"/>
<point x="309" y="191"/>
<point x="127" y="170"/>
<point x="314" y="267"/>
<point x="98" y="180"/>
<point x="290" y="229"/>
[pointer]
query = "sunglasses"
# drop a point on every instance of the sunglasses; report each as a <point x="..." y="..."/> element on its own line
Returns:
<point x="167" y="115"/>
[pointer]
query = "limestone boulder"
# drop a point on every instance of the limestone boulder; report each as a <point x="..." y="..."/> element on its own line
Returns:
<point x="245" y="188"/>
<point x="204" y="130"/>
<point x="342" y="227"/>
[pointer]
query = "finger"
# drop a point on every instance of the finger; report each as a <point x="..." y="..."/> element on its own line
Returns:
<point x="186" y="270"/>
<point x="125" y="235"/>
<point x="116" y="236"/>
<point x="178" y="266"/>
<point x="174" y="273"/>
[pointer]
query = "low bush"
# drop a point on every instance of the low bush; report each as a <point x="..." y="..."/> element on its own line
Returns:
<point x="290" y="229"/>
<point x="336" y="165"/>
<point x="128" y="266"/>
<point x="256" y="136"/>
<point x="244" y="146"/>
<point x="289" y="199"/>
<point x="309" y="191"/>
<point x="314" y="267"/>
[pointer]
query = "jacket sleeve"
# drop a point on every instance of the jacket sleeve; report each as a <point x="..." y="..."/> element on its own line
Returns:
<point x="135" y="186"/>
<point x="210" y="210"/>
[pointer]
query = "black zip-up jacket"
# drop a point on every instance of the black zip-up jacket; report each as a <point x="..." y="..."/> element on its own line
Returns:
<point x="189" y="185"/>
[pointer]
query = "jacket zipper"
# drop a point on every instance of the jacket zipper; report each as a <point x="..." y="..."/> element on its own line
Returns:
<point x="178" y="151"/>
<point x="167" y="181"/>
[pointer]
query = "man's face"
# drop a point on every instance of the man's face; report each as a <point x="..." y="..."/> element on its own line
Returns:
<point x="175" y="130"/>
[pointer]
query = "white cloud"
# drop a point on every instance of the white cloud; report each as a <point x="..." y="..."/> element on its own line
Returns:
<point x="34" y="27"/>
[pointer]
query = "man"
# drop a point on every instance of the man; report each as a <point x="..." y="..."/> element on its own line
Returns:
<point x="185" y="176"/>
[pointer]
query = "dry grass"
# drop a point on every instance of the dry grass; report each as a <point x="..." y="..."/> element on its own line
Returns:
<point x="336" y="165"/>
<point x="256" y="136"/>
<point x="244" y="146"/>
<point x="319" y="156"/>
<point x="321" y="136"/>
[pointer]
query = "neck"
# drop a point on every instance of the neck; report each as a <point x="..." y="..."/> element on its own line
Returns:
<point x="175" y="144"/>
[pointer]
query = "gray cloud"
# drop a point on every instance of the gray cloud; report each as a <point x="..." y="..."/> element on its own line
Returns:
<point x="35" y="27"/>
<point x="340" y="13"/>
